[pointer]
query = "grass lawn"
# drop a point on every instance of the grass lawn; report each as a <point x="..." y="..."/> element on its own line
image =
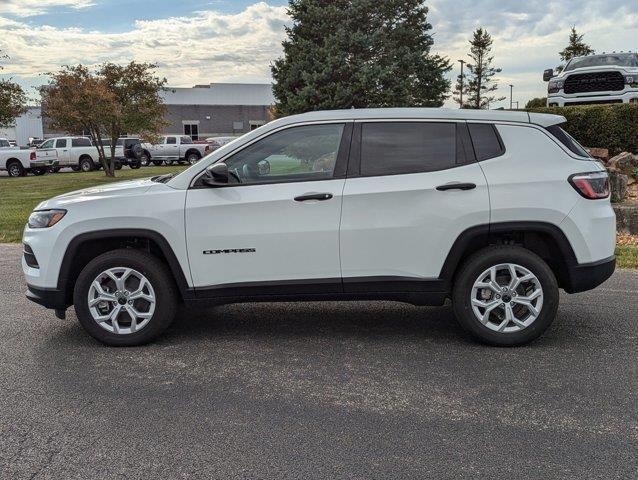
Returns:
<point x="19" y="196"/>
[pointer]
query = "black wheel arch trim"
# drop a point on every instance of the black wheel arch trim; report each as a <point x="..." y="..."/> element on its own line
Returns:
<point x="160" y="241"/>
<point x="482" y="235"/>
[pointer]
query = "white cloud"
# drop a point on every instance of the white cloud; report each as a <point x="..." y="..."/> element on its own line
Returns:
<point x="206" y="47"/>
<point x="27" y="8"/>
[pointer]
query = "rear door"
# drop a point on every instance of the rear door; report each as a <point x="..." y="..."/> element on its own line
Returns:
<point x="413" y="188"/>
<point x="62" y="146"/>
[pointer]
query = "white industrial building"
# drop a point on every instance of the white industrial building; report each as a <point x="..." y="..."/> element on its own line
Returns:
<point x="26" y="127"/>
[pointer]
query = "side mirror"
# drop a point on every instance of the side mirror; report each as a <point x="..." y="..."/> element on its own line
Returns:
<point x="548" y="74"/>
<point x="216" y="175"/>
<point x="264" y="167"/>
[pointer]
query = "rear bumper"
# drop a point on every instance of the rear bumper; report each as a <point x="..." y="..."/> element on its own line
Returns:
<point x="587" y="276"/>
<point x="49" y="298"/>
<point x="43" y="163"/>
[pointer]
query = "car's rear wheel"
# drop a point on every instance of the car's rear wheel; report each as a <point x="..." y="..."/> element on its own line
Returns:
<point x="15" y="169"/>
<point x="125" y="297"/>
<point x="505" y="296"/>
<point x="157" y="163"/>
<point x="86" y="164"/>
<point x="193" y="158"/>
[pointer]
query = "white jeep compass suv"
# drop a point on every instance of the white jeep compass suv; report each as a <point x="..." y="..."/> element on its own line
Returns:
<point x="493" y="210"/>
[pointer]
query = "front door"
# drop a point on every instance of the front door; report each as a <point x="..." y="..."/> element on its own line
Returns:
<point x="417" y="189"/>
<point x="276" y="225"/>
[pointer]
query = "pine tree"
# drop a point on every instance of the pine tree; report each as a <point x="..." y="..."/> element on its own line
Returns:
<point x="576" y="47"/>
<point x="358" y="53"/>
<point x="477" y="84"/>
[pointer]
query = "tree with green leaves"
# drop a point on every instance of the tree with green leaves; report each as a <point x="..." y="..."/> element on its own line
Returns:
<point x="114" y="100"/>
<point x="477" y="83"/>
<point x="539" y="102"/>
<point x="13" y="101"/>
<point x="358" y="54"/>
<point x="576" y="47"/>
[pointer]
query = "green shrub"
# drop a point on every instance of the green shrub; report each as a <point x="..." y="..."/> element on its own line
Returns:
<point x="614" y="127"/>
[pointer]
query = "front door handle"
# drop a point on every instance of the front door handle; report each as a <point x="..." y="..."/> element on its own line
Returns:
<point x="313" y="196"/>
<point x="456" y="186"/>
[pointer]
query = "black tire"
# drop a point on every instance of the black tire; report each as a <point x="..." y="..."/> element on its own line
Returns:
<point x="15" y="169"/>
<point x="57" y="169"/>
<point x="74" y="168"/>
<point x="86" y="164"/>
<point x="39" y="171"/>
<point x="157" y="274"/>
<point x="157" y="163"/>
<point x="135" y="164"/>
<point x="145" y="159"/>
<point x="118" y="166"/>
<point x="481" y="261"/>
<point x="193" y="157"/>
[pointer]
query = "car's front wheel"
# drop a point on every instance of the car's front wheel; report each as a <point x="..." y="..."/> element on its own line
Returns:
<point x="505" y="296"/>
<point x="125" y="297"/>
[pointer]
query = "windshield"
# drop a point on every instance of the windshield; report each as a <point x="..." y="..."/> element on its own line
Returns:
<point x="616" y="60"/>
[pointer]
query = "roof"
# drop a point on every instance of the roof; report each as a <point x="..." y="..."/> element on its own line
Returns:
<point x="251" y="94"/>
<point x="542" y="119"/>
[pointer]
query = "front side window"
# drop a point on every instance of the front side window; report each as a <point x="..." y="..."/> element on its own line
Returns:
<point x="47" y="144"/>
<point x="4" y="143"/>
<point x="407" y="147"/>
<point x="61" y="143"/>
<point x="171" y="141"/>
<point x="296" y="154"/>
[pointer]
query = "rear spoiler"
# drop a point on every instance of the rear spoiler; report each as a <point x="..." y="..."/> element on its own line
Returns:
<point x="546" y="119"/>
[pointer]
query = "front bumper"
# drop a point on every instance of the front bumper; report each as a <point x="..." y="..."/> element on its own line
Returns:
<point x="47" y="297"/>
<point x="587" y="276"/>
<point x="561" y="99"/>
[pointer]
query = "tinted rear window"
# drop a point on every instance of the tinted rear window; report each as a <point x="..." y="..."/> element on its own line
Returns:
<point x="485" y="140"/>
<point x="566" y="139"/>
<point x="81" y="142"/>
<point x="400" y="148"/>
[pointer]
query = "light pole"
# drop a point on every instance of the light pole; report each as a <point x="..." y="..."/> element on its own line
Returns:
<point x="511" y="96"/>
<point x="462" y="62"/>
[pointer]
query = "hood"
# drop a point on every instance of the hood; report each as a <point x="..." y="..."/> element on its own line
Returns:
<point x="604" y="68"/>
<point x="118" y="189"/>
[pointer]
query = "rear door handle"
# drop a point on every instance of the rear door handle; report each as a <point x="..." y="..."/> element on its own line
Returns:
<point x="456" y="186"/>
<point x="313" y="196"/>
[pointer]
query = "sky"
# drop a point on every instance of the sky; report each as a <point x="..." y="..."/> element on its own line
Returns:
<point x="205" y="41"/>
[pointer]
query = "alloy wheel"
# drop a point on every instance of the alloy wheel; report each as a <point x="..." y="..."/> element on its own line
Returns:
<point x="121" y="300"/>
<point x="507" y="298"/>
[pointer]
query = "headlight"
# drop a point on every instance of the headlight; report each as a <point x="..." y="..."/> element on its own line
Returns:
<point x="45" y="218"/>
<point x="555" y="86"/>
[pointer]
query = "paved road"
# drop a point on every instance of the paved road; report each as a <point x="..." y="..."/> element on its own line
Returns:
<point x="338" y="390"/>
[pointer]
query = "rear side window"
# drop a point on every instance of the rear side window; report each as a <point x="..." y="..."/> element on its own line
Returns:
<point x="566" y="139"/>
<point x="407" y="147"/>
<point x="486" y="141"/>
<point x="81" y="142"/>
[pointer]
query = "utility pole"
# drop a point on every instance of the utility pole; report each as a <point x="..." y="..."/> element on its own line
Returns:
<point x="462" y="62"/>
<point x="511" y="96"/>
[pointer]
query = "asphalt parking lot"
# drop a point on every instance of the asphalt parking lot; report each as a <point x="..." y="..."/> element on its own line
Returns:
<point x="337" y="390"/>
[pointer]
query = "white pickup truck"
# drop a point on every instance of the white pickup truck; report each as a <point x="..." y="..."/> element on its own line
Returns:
<point x="18" y="162"/>
<point x="175" y="148"/>
<point x="75" y="152"/>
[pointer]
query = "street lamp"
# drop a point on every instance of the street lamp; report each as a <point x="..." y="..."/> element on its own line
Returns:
<point x="511" y="96"/>
<point x="462" y="62"/>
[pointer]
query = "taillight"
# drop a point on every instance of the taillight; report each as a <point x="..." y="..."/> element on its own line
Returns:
<point x="593" y="185"/>
<point x="32" y="156"/>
